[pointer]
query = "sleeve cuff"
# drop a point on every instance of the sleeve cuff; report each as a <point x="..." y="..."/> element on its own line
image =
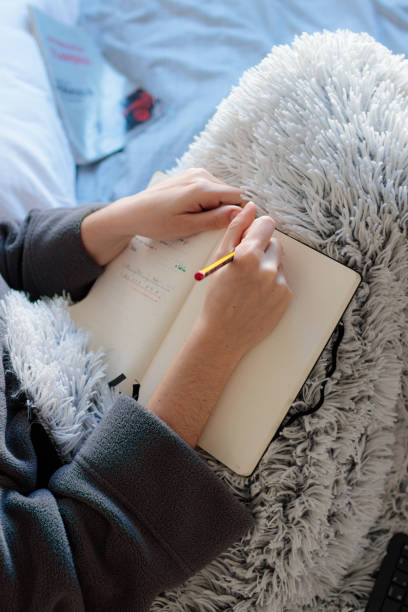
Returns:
<point x="165" y="484"/>
<point x="55" y="257"/>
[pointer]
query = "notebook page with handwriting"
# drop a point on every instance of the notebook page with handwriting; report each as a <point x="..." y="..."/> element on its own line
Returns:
<point x="131" y="306"/>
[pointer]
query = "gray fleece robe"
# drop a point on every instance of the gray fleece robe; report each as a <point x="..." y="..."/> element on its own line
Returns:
<point x="135" y="513"/>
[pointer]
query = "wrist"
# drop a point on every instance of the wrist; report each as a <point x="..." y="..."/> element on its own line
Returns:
<point x="104" y="234"/>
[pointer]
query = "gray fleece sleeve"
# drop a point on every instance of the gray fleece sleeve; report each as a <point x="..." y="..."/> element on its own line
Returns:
<point x="44" y="254"/>
<point x="172" y="514"/>
<point x="136" y="513"/>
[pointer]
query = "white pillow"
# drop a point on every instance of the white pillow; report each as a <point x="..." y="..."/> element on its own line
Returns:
<point x="37" y="169"/>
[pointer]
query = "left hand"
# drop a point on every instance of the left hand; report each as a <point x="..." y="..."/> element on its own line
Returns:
<point x="182" y="205"/>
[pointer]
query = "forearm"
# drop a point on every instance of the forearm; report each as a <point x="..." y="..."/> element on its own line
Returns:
<point x="186" y="396"/>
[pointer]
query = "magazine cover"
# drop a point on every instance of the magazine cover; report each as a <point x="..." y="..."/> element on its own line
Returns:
<point x="98" y="105"/>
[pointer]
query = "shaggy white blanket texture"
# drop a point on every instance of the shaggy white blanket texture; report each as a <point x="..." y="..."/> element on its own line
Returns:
<point x="317" y="136"/>
<point x="65" y="382"/>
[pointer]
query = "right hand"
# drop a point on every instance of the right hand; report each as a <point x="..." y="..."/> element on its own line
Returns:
<point x="247" y="297"/>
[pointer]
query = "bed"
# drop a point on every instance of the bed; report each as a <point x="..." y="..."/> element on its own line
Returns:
<point x="186" y="53"/>
<point x="191" y="56"/>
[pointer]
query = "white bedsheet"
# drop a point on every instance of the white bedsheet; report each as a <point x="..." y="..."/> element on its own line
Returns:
<point x="190" y="53"/>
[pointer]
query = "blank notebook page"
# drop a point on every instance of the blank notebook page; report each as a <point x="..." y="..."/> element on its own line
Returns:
<point x="268" y="379"/>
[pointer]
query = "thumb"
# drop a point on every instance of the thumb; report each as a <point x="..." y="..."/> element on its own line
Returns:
<point x="237" y="228"/>
<point x="216" y="218"/>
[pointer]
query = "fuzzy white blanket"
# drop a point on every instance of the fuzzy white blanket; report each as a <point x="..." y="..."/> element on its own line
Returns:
<point x="64" y="381"/>
<point x="317" y="135"/>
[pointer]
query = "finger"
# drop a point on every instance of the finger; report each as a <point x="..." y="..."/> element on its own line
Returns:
<point x="216" y="218"/>
<point x="244" y="198"/>
<point x="281" y="278"/>
<point x="211" y="195"/>
<point x="260" y="232"/>
<point x="236" y="229"/>
<point x="200" y="179"/>
<point x="274" y="253"/>
<point x="287" y="294"/>
<point x="273" y="259"/>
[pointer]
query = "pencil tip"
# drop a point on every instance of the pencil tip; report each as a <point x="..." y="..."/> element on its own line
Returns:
<point x="199" y="276"/>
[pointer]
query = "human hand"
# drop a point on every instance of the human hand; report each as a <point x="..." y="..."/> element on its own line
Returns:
<point x="247" y="297"/>
<point x="245" y="300"/>
<point x="182" y="205"/>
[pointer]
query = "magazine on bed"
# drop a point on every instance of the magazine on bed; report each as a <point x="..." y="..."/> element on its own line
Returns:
<point x="141" y="308"/>
<point x="98" y="105"/>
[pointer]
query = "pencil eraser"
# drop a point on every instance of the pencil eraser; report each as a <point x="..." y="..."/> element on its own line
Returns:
<point x="199" y="276"/>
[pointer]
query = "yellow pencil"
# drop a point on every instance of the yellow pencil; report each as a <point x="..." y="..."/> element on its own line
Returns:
<point x="214" y="266"/>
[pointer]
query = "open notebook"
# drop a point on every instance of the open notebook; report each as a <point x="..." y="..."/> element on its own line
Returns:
<point x="142" y="307"/>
